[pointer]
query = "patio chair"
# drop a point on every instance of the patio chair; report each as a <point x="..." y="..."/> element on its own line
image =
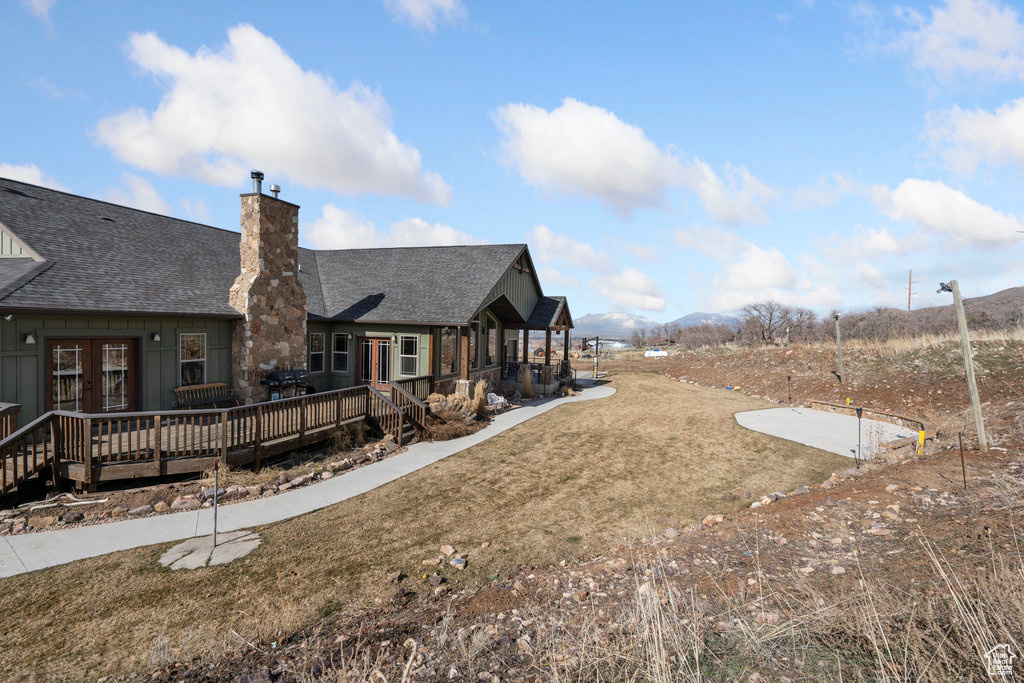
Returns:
<point x="496" y="403"/>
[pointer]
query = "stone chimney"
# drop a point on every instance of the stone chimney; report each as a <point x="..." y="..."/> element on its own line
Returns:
<point x="267" y="293"/>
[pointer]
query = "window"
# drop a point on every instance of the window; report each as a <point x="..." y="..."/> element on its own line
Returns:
<point x="449" y="349"/>
<point x="474" y="331"/>
<point x="339" y="353"/>
<point x="316" y="352"/>
<point x="192" y="358"/>
<point x="365" y="361"/>
<point x="492" y="342"/>
<point x="408" y="355"/>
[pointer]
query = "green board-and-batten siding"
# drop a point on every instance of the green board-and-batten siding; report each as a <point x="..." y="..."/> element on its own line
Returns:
<point x="519" y="287"/>
<point x="9" y="247"/>
<point x="331" y="379"/>
<point x="22" y="366"/>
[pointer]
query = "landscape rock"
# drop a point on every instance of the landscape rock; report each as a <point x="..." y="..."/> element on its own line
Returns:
<point x="394" y="577"/>
<point x="712" y="520"/>
<point x="670" y="533"/>
<point x="141" y="510"/>
<point x="301" y="480"/>
<point x="458" y="562"/>
<point x="837" y="569"/>
<point x="253" y="490"/>
<point x="72" y="516"/>
<point x="580" y="596"/>
<point x="161" y="506"/>
<point x="185" y="503"/>
<point x="447" y="550"/>
<point x="208" y="493"/>
<point x="118" y="511"/>
<point x="741" y="495"/>
<point x="41" y="522"/>
<point x="436" y="579"/>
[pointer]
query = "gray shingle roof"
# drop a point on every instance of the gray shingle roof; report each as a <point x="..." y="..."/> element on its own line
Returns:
<point x="546" y="312"/>
<point x="104" y="258"/>
<point x="413" y="284"/>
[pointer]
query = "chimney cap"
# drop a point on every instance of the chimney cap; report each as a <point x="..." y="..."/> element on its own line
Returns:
<point x="275" y="189"/>
<point x="256" y="175"/>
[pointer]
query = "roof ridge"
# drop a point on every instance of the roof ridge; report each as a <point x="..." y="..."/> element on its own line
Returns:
<point x="119" y="206"/>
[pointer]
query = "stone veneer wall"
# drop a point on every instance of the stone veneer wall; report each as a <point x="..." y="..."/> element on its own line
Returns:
<point x="267" y="292"/>
<point x="448" y="385"/>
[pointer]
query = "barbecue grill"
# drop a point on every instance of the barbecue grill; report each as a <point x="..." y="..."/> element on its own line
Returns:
<point x="287" y="382"/>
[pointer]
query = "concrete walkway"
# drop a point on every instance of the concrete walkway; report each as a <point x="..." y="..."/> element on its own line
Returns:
<point x="830" y="432"/>
<point x="30" y="552"/>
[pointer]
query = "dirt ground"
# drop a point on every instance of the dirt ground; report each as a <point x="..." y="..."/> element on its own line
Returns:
<point x="563" y="486"/>
<point x="896" y="571"/>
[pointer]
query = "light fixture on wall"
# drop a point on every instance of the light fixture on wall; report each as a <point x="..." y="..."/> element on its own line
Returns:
<point x="155" y="336"/>
<point x="29" y="338"/>
<point x="8" y="317"/>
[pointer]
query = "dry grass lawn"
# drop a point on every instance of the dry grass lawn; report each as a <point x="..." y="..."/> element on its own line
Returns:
<point x="570" y="482"/>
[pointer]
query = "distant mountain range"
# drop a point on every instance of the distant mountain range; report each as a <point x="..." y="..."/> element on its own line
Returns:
<point x="622" y="325"/>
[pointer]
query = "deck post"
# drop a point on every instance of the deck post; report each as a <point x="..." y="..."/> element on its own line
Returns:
<point x="302" y="420"/>
<point x="464" y="353"/>
<point x="158" y="452"/>
<point x="258" y="437"/>
<point x="224" y="438"/>
<point x="401" y="427"/>
<point x="337" y="412"/>
<point x="547" y="346"/>
<point x="565" y="350"/>
<point x="56" y="439"/>
<point x="87" y="453"/>
<point x="526" y="346"/>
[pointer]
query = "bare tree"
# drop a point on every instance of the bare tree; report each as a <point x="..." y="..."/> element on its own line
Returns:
<point x="764" y="321"/>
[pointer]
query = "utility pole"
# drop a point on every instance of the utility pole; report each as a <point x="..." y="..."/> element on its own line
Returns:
<point x="839" y="348"/>
<point x="965" y="348"/>
<point x="910" y="284"/>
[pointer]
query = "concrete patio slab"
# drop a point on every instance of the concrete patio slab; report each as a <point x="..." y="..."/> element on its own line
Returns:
<point x="832" y="432"/>
<point x="30" y="552"/>
<point x="201" y="552"/>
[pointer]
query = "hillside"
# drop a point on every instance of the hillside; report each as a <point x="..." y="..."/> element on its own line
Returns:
<point x="620" y="325"/>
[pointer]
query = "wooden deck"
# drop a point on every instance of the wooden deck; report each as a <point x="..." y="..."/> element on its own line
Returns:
<point x="89" y="449"/>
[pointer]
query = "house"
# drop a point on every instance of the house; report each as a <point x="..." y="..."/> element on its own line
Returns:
<point x="106" y="309"/>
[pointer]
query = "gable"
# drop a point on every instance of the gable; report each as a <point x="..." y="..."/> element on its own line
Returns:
<point x="518" y="290"/>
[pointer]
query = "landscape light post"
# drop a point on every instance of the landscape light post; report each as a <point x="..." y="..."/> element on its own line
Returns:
<point x="965" y="349"/>
<point x="839" y="347"/>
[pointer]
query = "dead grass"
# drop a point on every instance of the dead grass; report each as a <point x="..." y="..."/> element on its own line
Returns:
<point x="565" y="484"/>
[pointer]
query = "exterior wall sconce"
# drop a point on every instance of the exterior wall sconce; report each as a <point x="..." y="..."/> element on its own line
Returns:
<point x="29" y="338"/>
<point x="155" y="336"/>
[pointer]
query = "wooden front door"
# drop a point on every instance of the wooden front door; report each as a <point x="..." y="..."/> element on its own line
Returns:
<point x="375" y="362"/>
<point x="91" y="375"/>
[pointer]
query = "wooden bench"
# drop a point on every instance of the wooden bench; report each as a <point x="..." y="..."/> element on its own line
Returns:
<point x="214" y="395"/>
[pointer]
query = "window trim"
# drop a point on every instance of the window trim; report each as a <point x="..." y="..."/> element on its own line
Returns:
<point x="346" y="352"/>
<point x="322" y="352"/>
<point x="415" y="355"/>
<point x="202" y="360"/>
<point x="474" y="345"/>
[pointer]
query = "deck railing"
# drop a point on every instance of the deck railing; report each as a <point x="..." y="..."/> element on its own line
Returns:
<point x="421" y="387"/>
<point x="8" y="419"/>
<point x="414" y="408"/>
<point x="91" y="440"/>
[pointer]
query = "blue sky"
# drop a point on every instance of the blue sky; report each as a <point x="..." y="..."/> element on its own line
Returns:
<point x="659" y="158"/>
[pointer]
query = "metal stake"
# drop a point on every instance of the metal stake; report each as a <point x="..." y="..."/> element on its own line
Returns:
<point x="839" y="349"/>
<point x="216" y="486"/>
<point x="860" y="413"/>
<point x="789" y="389"/>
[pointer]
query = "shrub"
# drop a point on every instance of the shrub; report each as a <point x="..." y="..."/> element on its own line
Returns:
<point x="526" y="377"/>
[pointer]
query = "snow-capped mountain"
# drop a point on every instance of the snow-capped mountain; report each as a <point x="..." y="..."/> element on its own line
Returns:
<point x="695" y="319"/>
<point x="613" y="325"/>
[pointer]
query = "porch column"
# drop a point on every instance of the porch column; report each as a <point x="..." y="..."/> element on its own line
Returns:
<point x="526" y="346"/>
<point x="464" y="352"/>
<point x="565" y="351"/>
<point x="547" y="346"/>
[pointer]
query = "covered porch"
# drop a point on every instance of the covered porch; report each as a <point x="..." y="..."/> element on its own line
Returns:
<point x="547" y="369"/>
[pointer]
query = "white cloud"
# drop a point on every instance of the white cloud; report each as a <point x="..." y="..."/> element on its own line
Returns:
<point x="251" y="106"/>
<point x="196" y="210"/>
<point x="967" y="138"/>
<point x="750" y="273"/>
<point x="631" y="288"/>
<point x="29" y="173"/>
<point x="340" y="229"/>
<point x="44" y="84"/>
<point x="626" y="287"/>
<point x="827" y="192"/>
<point x="551" y="276"/>
<point x="427" y="14"/>
<point x="973" y="38"/>
<point x="40" y="8"/>
<point x="645" y="252"/>
<point x="141" y="195"/>
<point x="738" y="201"/>
<point x="939" y="209"/>
<point x="714" y="242"/>
<point x="548" y="246"/>
<point x="583" y="150"/>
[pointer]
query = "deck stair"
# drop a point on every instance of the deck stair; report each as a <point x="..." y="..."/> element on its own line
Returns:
<point x="92" y="448"/>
